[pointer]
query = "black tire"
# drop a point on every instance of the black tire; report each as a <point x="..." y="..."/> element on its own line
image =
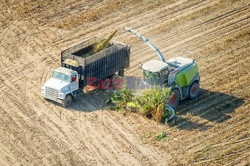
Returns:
<point x="116" y="83"/>
<point x="121" y="73"/>
<point x="67" y="101"/>
<point x="107" y="86"/>
<point x="175" y="98"/>
<point x="194" y="90"/>
<point x="77" y="95"/>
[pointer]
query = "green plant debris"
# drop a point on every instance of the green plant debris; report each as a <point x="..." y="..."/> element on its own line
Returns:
<point x="120" y="98"/>
<point x="152" y="103"/>
<point x="206" y="149"/>
<point x="161" y="136"/>
<point x="103" y="44"/>
<point x="99" y="46"/>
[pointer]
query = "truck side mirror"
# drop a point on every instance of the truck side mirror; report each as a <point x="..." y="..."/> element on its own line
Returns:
<point x="73" y="78"/>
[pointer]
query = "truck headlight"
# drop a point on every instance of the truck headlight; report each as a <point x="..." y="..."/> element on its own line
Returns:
<point x="43" y="90"/>
<point x="61" y="95"/>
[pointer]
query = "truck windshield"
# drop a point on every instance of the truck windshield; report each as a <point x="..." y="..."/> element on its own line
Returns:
<point x="61" y="76"/>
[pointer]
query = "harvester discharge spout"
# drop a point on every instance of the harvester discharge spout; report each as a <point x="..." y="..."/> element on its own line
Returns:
<point x="147" y="41"/>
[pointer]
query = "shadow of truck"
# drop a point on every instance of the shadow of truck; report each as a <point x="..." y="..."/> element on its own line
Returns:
<point x="209" y="105"/>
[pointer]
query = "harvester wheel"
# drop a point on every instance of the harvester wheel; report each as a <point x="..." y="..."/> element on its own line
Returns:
<point x="194" y="90"/>
<point x="67" y="101"/>
<point x="175" y="99"/>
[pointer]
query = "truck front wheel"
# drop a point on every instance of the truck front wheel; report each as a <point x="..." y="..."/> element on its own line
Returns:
<point x="194" y="90"/>
<point x="67" y="101"/>
<point x="175" y="99"/>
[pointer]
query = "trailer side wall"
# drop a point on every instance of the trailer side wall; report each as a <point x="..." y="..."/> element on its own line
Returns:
<point x="108" y="65"/>
<point x="100" y="65"/>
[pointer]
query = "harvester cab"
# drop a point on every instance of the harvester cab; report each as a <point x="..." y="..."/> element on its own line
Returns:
<point x="179" y="73"/>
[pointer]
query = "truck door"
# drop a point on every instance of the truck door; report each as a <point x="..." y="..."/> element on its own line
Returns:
<point x="74" y="85"/>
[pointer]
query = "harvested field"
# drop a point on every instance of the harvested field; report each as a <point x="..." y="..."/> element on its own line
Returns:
<point x="212" y="129"/>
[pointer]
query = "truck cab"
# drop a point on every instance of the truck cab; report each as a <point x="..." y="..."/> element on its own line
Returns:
<point x="79" y="63"/>
<point x="62" y="84"/>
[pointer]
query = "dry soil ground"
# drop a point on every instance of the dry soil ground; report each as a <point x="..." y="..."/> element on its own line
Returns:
<point x="212" y="129"/>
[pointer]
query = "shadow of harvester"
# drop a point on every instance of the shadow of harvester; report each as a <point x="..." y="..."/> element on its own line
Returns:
<point x="209" y="105"/>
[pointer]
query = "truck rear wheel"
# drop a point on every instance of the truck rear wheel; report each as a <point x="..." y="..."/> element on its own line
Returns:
<point x="121" y="73"/>
<point x="107" y="84"/>
<point x="194" y="90"/>
<point x="175" y="99"/>
<point x="117" y="81"/>
<point x="67" y="101"/>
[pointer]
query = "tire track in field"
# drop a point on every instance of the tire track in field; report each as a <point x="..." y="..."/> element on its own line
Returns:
<point x="55" y="143"/>
<point x="213" y="133"/>
<point x="9" y="142"/>
<point x="130" y="125"/>
<point x="196" y="144"/>
<point x="127" y="135"/>
<point x="115" y="136"/>
<point x="129" y="138"/>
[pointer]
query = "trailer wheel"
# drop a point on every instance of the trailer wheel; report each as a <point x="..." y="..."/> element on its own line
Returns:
<point x="175" y="99"/>
<point x="67" y="101"/>
<point x="121" y="73"/>
<point x="107" y="84"/>
<point x="117" y="81"/>
<point x="194" y="90"/>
